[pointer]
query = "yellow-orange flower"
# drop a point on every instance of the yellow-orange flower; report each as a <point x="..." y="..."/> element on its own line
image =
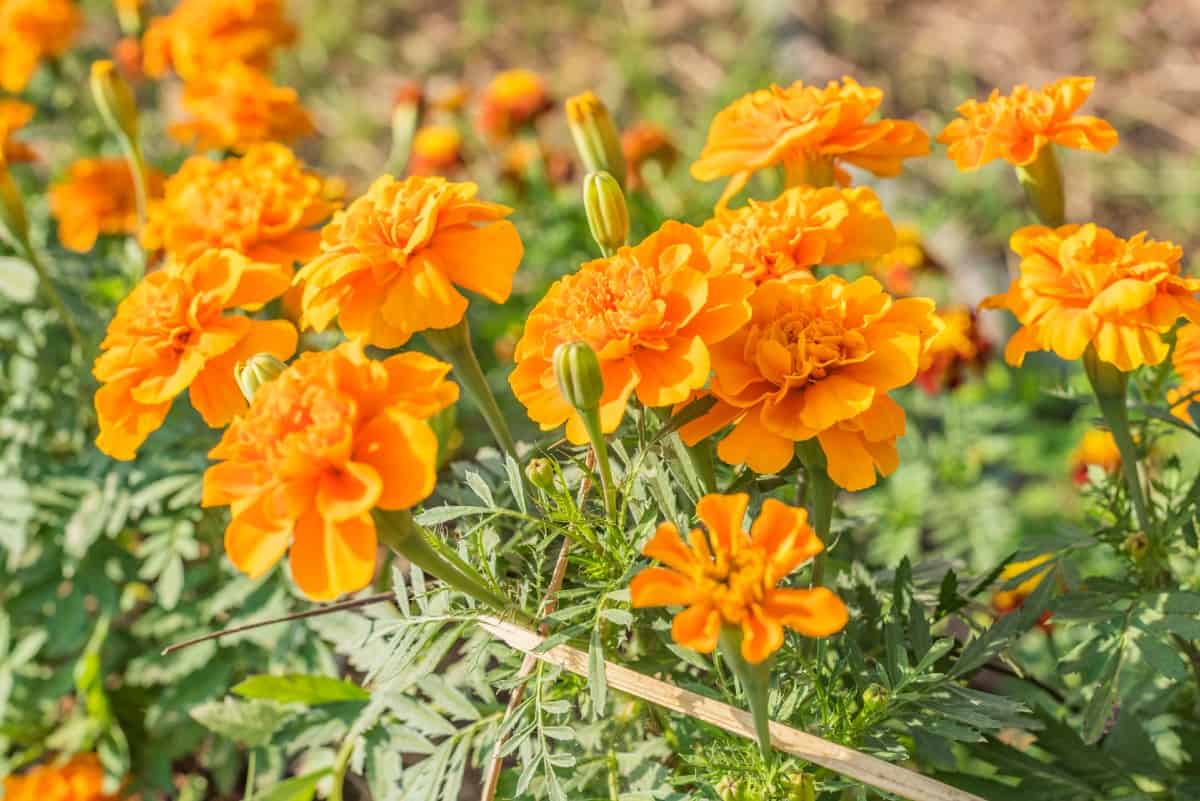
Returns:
<point x="390" y="262"/>
<point x="173" y="332"/>
<point x="436" y="149"/>
<point x="31" y="30"/>
<point x="265" y="205"/>
<point x="810" y="131"/>
<point x="729" y="577"/>
<point x="650" y="312"/>
<point x="1017" y="126"/>
<point x="14" y="115"/>
<point x="1083" y="285"/>
<point x="239" y="106"/>
<point x="513" y="98"/>
<point x="78" y="779"/>
<point x="1186" y="361"/>
<point x="817" y="360"/>
<point x="645" y="143"/>
<point x="952" y="351"/>
<point x="1005" y="601"/>
<point x="896" y="268"/>
<point x="199" y="37"/>
<point x="333" y="437"/>
<point x="1096" y="447"/>
<point x="800" y="229"/>
<point x="96" y="198"/>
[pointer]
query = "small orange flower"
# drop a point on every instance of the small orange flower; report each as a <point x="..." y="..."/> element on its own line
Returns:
<point x="1098" y="448"/>
<point x="811" y="131"/>
<point x="958" y="347"/>
<point x="800" y="229"/>
<point x="1005" y="601"/>
<point x="650" y="312"/>
<point x="645" y="143"/>
<point x="1186" y="361"/>
<point x="173" y="333"/>
<point x="512" y="99"/>
<point x="817" y="360"/>
<point x="729" y="577"/>
<point x="265" y="205"/>
<point x="199" y="37"/>
<point x="436" y="150"/>
<point x="896" y="268"/>
<point x="390" y="262"/>
<point x="32" y="30"/>
<point x="96" y="198"/>
<point x="1016" y="127"/>
<point x="448" y="95"/>
<point x="14" y="115"/>
<point x="80" y="778"/>
<point x="238" y="106"/>
<point x="1083" y="285"/>
<point x="330" y="439"/>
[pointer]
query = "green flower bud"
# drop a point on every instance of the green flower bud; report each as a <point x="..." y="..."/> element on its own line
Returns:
<point x="256" y="371"/>
<point x="607" y="214"/>
<point x="579" y="379"/>
<point x="541" y="473"/>
<point x="1136" y="545"/>
<point x="115" y="101"/>
<point x="595" y="135"/>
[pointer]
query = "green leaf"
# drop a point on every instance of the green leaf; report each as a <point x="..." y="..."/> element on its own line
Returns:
<point x="248" y="722"/>
<point x="300" y="689"/>
<point x="300" y="788"/>
<point x="18" y="281"/>
<point x="597" y="679"/>
<point x="1100" y="706"/>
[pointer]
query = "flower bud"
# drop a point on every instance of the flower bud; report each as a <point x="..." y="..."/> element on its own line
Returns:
<point x="1136" y="545"/>
<point x="541" y="473"/>
<point x="595" y="135"/>
<point x="14" y="225"/>
<point x="114" y="99"/>
<point x="256" y="371"/>
<point x="579" y="379"/>
<point x="607" y="214"/>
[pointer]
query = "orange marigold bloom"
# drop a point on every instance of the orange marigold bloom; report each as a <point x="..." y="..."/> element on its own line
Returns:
<point x="96" y="198"/>
<point x="265" y="205"/>
<point x="1005" y="601"/>
<point x="1186" y="361"/>
<point x="513" y="98"/>
<point x="80" y="778"/>
<point x="172" y="333"/>
<point x="330" y="439"/>
<point x="729" y="577"/>
<point x="1016" y="127"/>
<point x="817" y="360"/>
<point x="958" y="347"/>
<point x="896" y="268"/>
<point x="390" y="262"/>
<point x="650" y="312"/>
<point x="436" y="149"/>
<point x="14" y="115"/>
<point x="1083" y="285"/>
<point x="1096" y="447"/>
<point x="800" y="229"/>
<point x="31" y="30"/>
<point x="811" y="131"/>
<point x="239" y="106"/>
<point x="645" y="143"/>
<point x="201" y="36"/>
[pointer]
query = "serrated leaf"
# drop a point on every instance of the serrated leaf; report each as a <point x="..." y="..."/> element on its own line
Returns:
<point x="250" y="723"/>
<point x="1100" y="706"/>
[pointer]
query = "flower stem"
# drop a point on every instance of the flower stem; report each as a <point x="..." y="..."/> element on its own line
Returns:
<point x="454" y="346"/>
<point x="756" y="684"/>
<point x="820" y="491"/>
<point x="1110" y="384"/>
<point x="591" y="422"/>
<point x="1042" y="181"/>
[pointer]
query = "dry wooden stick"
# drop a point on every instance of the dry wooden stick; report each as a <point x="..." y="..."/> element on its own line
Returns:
<point x="838" y="758"/>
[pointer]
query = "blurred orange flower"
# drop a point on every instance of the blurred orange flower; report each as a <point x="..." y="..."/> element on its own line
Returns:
<point x="895" y="269"/>
<point x="31" y="30"/>
<point x="817" y="360"/>
<point x="199" y="37"/>
<point x="644" y="143"/>
<point x="1005" y="601"/>
<point x="390" y="262"/>
<point x="436" y="150"/>
<point x="330" y="439"/>
<point x="650" y="312"/>
<point x="238" y="106"/>
<point x="728" y="577"/>
<point x="265" y="205"/>
<point x="1186" y="361"/>
<point x="800" y="229"/>
<point x="1096" y="447"/>
<point x="1017" y="126"/>
<point x="448" y="95"/>
<point x="14" y="115"/>
<point x="1083" y="285"/>
<point x="78" y="779"/>
<point x="958" y="347"/>
<point x="97" y="197"/>
<point x="512" y="99"/>
<point x="172" y="333"/>
<point x="811" y="131"/>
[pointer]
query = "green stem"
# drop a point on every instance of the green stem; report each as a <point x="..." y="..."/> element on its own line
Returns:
<point x="1043" y="185"/>
<point x="340" y="766"/>
<point x="614" y="775"/>
<point x="248" y="793"/>
<point x="1110" y="384"/>
<point x="454" y="346"/>
<point x="756" y="684"/>
<point x="137" y="168"/>
<point x="54" y="298"/>
<point x="591" y="422"/>
<point x="820" y="491"/>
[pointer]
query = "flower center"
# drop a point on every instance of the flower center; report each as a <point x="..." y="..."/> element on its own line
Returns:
<point x="799" y="348"/>
<point x="736" y="582"/>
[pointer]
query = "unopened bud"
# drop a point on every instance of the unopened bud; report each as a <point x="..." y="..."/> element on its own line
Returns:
<point x="256" y="371"/>
<point x="579" y="379"/>
<point x="14" y="225"/>
<point x="114" y="99"/>
<point x="607" y="214"/>
<point x="1136" y="545"/>
<point x="541" y="473"/>
<point x="873" y="697"/>
<point x="595" y="135"/>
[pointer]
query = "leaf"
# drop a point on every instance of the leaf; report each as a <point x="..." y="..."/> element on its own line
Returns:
<point x="300" y="689"/>
<point x="300" y="788"/>
<point x="597" y="679"/>
<point x="1100" y="706"/>
<point x="18" y="281"/>
<point x="480" y="488"/>
<point x="516" y="483"/>
<point x="248" y="722"/>
<point x="622" y="617"/>
<point x="445" y="514"/>
<point x="1162" y="658"/>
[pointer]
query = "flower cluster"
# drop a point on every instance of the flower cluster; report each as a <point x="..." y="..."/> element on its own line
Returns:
<point x="200" y="37"/>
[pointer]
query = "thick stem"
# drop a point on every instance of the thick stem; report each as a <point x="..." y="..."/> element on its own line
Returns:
<point x="1109" y="384"/>
<point x="454" y="346"/>
<point x="1042" y="182"/>
<point x="591" y="422"/>
<point x="820" y="492"/>
<point x="756" y="683"/>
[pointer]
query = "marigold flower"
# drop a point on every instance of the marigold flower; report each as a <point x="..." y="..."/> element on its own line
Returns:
<point x="817" y="360"/>
<point x="896" y="269"/>
<point x="14" y="115"/>
<point x="80" y="778"/>
<point x="513" y="98"/>
<point x="448" y="95"/>
<point x="1096" y="447"/>
<point x="730" y="577"/>
<point x="650" y="312"/>
<point x="200" y="37"/>
<point x="97" y="197"/>
<point x="390" y="262"/>
<point x="436" y="149"/>
<point x="644" y="143"/>
<point x="1082" y="284"/>
<point x="1005" y="601"/>
<point x="265" y="205"/>
<point x="172" y="333"/>
<point x="1186" y="361"/>
<point x="31" y="30"/>
<point x="958" y="347"/>
<point x="333" y="437"/>
<point x="811" y="131"/>
<point x="1017" y="126"/>
<point x="239" y="106"/>
<point x="800" y="229"/>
